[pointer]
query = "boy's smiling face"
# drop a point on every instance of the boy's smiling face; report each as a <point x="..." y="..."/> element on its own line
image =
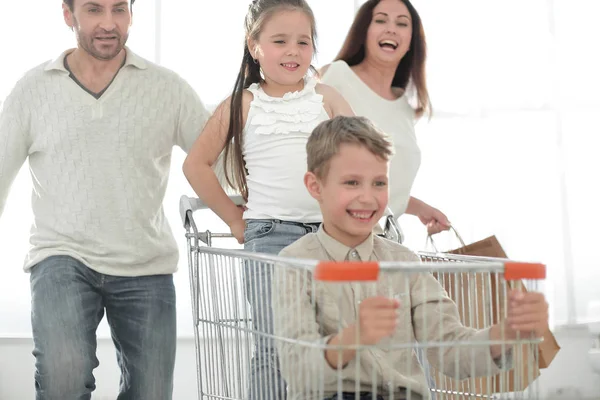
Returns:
<point x="353" y="195"/>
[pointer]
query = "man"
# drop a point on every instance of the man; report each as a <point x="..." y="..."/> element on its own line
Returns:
<point x="98" y="125"/>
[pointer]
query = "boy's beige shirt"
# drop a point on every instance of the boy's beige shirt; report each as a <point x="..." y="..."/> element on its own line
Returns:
<point x="309" y="313"/>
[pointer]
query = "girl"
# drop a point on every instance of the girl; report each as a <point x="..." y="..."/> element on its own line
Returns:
<point x="263" y="128"/>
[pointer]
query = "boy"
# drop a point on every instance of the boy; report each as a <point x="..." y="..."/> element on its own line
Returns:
<point x="347" y="174"/>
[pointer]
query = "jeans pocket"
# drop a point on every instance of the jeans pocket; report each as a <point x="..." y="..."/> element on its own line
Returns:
<point x="257" y="229"/>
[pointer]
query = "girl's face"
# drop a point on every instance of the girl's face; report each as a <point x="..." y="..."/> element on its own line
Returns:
<point x="390" y="32"/>
<point x="284" y="49"/>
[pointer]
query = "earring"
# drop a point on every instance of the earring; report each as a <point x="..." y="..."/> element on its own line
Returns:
<point x="255" y="61"/>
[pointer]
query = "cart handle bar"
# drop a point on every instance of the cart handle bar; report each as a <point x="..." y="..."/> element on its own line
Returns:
<point x="331" y="271"/>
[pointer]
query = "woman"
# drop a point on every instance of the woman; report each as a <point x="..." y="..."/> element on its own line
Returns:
<point x="383" y="55"/>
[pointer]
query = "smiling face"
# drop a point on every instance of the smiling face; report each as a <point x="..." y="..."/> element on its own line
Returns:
<point x="389" y="34"/>
<point x="284" y="48"/>
<point x="101" y="26"/>
<point x="353" y="195"/>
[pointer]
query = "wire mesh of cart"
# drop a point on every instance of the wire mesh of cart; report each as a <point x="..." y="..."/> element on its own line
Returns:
<point x="314" y="301"/>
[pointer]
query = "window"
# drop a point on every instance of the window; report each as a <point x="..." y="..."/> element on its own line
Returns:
<point x="511" y="143"/>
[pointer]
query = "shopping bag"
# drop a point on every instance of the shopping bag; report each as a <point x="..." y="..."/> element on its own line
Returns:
<point x="489" y="310"/>
<point x="490" y="247"/>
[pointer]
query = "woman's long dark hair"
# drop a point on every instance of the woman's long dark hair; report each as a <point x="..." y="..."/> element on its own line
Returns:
<point x="258" y="14"/>
<point x="412" y="66"/>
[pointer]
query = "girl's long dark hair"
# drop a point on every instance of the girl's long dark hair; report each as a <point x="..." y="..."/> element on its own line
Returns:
<point x="258" y="13"/>
<point x="412" y="66"/>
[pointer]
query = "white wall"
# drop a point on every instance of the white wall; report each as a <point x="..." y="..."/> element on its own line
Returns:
<point x="569" y="371"/>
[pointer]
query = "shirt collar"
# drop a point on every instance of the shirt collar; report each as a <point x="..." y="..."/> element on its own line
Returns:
<point x="58" y="64"/>
<point x="341" y="252"/>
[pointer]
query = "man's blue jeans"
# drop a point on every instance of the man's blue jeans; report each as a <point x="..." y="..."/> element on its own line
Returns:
<point x="68" y="300"/>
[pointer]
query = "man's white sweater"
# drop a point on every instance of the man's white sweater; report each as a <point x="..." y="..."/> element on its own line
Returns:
<point x="99" y="166"/>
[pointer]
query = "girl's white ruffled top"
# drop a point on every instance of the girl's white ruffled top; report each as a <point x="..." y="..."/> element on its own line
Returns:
<point x="274" y="149"/>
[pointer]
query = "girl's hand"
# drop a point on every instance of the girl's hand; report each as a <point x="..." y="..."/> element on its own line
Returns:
<point x="237" y="229"/>
<point x="238" y="226"/>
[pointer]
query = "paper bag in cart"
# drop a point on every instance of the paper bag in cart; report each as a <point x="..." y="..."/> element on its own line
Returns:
<point x="488" y="311"/>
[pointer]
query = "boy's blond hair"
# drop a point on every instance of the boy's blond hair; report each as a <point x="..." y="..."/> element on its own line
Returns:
<point x="325" y="141"/>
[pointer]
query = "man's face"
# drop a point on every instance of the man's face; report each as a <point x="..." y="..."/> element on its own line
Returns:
<point x="101" y="26"/>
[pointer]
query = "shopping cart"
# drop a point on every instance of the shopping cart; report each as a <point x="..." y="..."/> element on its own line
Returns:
<point x="224" y="335"/>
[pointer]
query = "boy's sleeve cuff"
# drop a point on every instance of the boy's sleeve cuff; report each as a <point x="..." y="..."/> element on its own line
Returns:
<point x="331" y="374"/>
